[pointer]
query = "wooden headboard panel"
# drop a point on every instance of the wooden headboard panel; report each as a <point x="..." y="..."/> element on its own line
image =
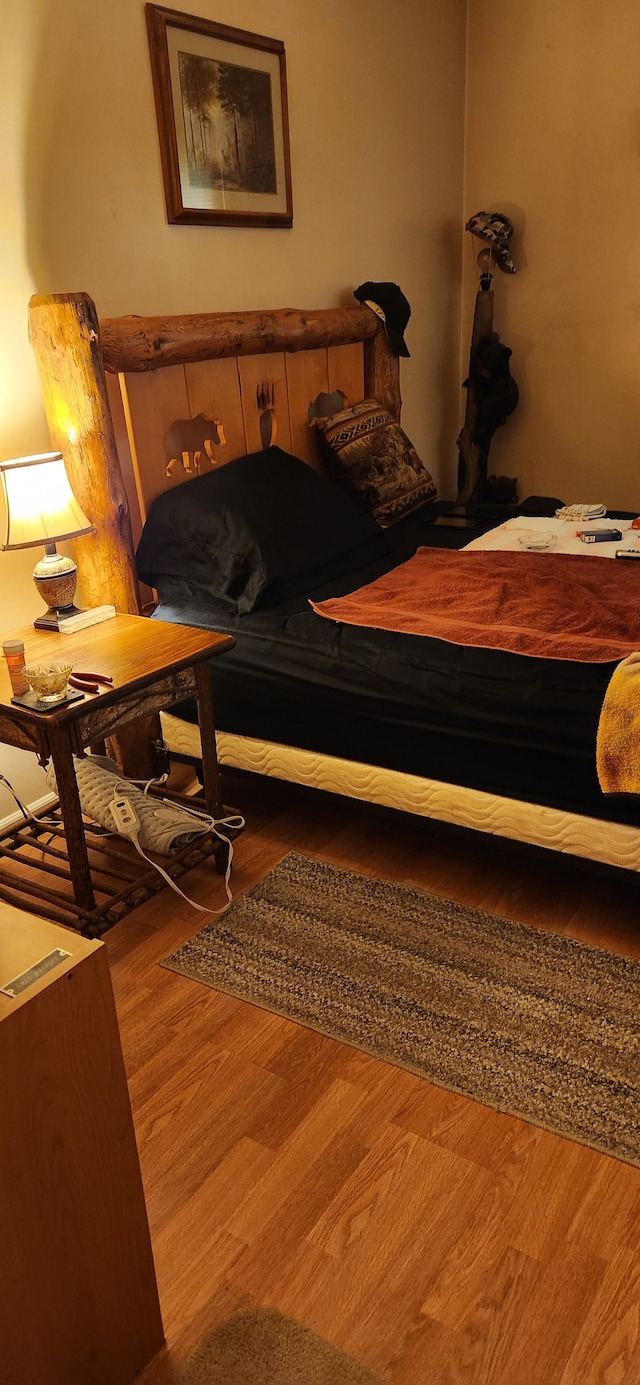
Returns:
<point x="138" y="405"/>
<point x="180" y="420"/>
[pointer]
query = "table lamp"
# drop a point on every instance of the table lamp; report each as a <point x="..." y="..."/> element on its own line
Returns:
<point x="42" y="509"/>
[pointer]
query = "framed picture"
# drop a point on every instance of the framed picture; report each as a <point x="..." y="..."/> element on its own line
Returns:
<point x="221" y="103"/>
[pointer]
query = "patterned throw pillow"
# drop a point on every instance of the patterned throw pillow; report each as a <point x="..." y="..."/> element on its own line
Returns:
<point x="372" y="459"/>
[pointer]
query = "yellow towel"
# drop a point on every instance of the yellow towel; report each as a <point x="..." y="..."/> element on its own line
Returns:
<point x="618" y="742"/>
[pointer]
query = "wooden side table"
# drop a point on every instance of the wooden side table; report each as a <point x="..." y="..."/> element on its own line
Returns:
<point x="153" y="665"/>
<point x="78" y="1297"/>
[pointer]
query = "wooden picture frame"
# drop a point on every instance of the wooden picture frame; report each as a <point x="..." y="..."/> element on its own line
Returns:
<point x="221" y="105"/>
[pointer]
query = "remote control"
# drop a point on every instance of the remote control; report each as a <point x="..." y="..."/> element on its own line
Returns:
<point x="125" y="817"/>
<point x="632" y="553"/>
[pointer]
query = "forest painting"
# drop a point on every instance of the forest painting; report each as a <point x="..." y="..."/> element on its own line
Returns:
<point x="221" y="104"/>
<point x="228" y="123"/>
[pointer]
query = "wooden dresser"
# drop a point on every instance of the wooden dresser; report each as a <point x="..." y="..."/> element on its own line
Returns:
<point x="78" y="1297"/>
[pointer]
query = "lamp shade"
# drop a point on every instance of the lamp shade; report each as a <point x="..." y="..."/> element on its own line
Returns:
<point x="41" y="507"/>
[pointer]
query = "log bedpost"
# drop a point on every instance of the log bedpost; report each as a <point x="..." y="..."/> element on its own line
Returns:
<point x="382" y="373"/>
<point x="65" y="335"/>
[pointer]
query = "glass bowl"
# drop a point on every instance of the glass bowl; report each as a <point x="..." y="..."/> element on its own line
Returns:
<point x="537" y="541"/>
<point x="49" y="679"/>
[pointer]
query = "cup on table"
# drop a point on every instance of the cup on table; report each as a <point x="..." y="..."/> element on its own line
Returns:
<point x="48" y="679"/>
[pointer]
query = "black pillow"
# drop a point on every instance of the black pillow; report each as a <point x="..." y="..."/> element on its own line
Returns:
<point x="255" y="526"/>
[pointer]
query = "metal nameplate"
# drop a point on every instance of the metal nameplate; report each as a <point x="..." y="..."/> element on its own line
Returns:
<point x="35" y="973"/>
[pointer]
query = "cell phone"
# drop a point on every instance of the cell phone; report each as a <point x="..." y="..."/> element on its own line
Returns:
<point x="458" y="522"/>
<point x="599" y="535"/>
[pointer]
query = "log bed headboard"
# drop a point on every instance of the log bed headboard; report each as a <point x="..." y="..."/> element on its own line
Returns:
<point x="137" y="405"/>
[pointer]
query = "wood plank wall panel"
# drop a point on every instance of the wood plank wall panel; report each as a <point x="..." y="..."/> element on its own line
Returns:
<point x="264" y="373"/>
<point x="307" y="377"/>
<point x="213" y="389"/>
<point x="152" y="402"/>
<point x="346" y="372"/>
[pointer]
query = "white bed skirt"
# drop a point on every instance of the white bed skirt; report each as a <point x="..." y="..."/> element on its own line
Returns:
<point x="613" y="843"/>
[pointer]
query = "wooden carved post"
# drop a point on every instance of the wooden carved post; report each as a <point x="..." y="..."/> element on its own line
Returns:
<point x="382" y="373"/>
<point x="64" y="333"/>
<point x="469" y="446"/>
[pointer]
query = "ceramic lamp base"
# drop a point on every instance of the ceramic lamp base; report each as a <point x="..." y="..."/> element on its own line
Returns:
<point x="55" y="579"/>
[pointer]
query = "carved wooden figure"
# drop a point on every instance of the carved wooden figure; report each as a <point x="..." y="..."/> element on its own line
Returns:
<point x="492" y="393"/>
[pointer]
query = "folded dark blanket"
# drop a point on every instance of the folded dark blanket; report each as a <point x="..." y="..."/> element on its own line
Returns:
<point x="547" y="605"/>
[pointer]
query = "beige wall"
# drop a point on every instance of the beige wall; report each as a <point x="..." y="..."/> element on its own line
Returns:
<point x="22" y="424"/>
<point x="376" y="115"/>
<point x="376" y="99"/>
<point x="553" y="139"/>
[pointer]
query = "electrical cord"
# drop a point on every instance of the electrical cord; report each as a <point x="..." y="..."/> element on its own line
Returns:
<point x="49" y="819"/>
<point x="128" y="824"/>
<point x="26" y="815"/>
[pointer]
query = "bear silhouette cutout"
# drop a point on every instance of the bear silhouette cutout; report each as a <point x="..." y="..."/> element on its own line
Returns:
<point x="190" y="444"/>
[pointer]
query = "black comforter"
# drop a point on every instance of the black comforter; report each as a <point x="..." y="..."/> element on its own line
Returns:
<point x="511" y="725"/>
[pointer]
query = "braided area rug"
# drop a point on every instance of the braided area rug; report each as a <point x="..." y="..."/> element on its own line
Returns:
<point x="262" y="1347"/>
<point x="529" y="1022"/>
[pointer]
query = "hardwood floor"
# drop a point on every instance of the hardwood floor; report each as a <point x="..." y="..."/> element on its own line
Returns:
<point x="432" y="1238"/>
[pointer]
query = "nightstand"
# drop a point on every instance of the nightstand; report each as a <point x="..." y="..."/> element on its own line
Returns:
<point x="153" y="665"/>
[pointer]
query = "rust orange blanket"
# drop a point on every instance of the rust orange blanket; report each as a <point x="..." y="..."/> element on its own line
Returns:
<point x="548" y="605"/>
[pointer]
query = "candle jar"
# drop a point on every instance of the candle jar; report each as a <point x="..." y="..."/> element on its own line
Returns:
<point x="13" y="651"/>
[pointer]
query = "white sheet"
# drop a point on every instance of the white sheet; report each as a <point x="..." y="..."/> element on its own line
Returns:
<point x="505" y="537"/>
